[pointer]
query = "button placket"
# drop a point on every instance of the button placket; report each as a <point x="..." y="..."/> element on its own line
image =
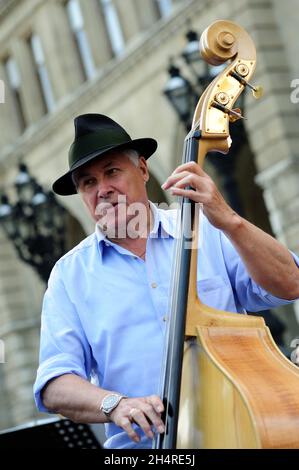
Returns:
<point x="154" y="284"/>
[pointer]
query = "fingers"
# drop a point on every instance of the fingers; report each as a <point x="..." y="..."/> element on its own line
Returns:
<point x="194" y="187"/>
<point x="153" y="411"/>
<point x="147" y="416"/>
<point x="145" y="412"/>
<point x="126" y="424"/>
<point x="138" y="416"/>
<point x="190" y="181"/>
<point x="190" y="172"/>
<point x="184" y="179"/>
<point x="156" y="403"/>
<point x="190" y="166"/>
<point x="176" y="178"/>
<point x="188" y="193"/>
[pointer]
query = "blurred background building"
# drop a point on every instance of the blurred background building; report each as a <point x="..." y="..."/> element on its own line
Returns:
<point x="61" y="58"/>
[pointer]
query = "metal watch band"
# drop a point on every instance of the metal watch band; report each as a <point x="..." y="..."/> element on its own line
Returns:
<point x="110" y="402"/>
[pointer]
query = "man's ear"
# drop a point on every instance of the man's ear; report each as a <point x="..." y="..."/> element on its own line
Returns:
<point x="144" y="169"/>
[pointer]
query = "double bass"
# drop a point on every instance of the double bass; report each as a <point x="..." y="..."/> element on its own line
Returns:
<point x="225" y="383"/>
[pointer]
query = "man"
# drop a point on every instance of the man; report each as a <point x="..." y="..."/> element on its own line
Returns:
<point x="104" y="312"/>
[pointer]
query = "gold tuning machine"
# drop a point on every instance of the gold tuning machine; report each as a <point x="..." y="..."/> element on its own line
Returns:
<point x="235" y="114"/>
<point x="240" y="72"/>
<point x="257" y="92"/>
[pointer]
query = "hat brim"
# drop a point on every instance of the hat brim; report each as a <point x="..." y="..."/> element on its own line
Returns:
<point x="64" y="186"/>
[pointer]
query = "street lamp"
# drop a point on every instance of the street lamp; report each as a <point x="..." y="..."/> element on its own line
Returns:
<point x="180" y="93"/>
<point x="201" y="70"/>
<point x="35" y="223"/>
<point x="191" y="55"/>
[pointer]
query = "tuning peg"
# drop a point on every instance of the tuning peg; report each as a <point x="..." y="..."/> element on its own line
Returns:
<point x="257" y="92"/>
<point x="235" y="114"/>
<point x="239" y="73"/>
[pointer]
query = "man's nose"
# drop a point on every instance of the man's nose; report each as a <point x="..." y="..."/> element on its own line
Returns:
<point x="104" y="190"/>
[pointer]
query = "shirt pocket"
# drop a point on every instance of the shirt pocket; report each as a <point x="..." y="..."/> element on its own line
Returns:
<point x="216" y="292"/>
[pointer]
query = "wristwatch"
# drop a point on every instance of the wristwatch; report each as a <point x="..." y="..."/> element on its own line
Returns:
<point x="110" y="402"/>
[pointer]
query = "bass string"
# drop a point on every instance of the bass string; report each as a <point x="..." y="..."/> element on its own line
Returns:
<point x="170" y="339"/>
<point x="171" y="302"/>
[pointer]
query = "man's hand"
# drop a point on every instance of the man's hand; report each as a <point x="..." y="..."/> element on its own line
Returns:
<point x="144" y="411"/>
<point x="268" y="262"/>
<point x="203" y="191"/>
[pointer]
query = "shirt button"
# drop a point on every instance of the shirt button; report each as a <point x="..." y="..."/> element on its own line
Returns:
<point x="154" y="285"/>
<point x="165" y="318"/>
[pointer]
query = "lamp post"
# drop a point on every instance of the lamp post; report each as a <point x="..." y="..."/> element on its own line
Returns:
<point x="181" y="94"/>
<point x="35" y="223"/>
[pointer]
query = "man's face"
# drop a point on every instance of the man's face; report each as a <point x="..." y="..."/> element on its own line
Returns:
<point x="110" y="187"/>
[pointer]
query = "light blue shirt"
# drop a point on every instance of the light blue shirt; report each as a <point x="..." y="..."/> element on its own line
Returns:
<point x="104" y="310"/>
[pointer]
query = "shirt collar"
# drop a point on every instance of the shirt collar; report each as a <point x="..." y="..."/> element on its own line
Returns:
<point x="164" y="222"/>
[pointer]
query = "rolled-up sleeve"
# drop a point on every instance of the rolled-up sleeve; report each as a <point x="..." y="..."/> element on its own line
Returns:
<point x="250" y="295"/>
<point x="63" y="346"/>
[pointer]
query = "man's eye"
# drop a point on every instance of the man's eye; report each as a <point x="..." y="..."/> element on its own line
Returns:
<point x="111" y="171"/>
<point x="88" y="182"/>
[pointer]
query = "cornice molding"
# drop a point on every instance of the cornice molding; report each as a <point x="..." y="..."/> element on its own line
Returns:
<point x="21" y="12"/>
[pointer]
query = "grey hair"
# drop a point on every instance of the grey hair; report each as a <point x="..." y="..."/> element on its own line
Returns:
<point x="133" y="155"/>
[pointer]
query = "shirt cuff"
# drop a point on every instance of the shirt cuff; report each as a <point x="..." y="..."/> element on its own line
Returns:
<point x="273" y="300"/>
<point x="46" y="373"/>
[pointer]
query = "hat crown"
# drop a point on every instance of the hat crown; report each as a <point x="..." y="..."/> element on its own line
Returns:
<point x="95" y="133"/>
<point x="90" y="123"/>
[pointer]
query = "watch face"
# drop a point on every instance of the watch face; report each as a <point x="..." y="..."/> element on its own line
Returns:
<point x="110" y="401"/>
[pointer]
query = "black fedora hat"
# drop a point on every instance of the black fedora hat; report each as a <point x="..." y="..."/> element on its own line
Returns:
<point x="95" y="135"/>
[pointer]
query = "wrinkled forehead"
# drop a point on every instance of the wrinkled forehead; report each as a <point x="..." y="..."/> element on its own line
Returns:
<point x="103" y="162"/>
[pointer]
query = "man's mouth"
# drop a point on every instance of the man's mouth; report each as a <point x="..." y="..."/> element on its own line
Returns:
<point x="105" y="208"/>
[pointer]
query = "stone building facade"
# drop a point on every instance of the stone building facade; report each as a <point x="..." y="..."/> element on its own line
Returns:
<point x="62" y="58"/>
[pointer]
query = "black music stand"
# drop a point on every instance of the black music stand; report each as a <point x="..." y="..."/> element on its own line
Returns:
<point x="53" y="433"/>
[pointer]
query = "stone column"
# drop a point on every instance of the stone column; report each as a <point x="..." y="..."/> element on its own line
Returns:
<point x="9" y="124"/>
<point x="62" y="61"/>
<point x="96" y="31"/>
<point x="147" y="13"/>
<point x="30" y="92"/>
<point x="128" y="18"/>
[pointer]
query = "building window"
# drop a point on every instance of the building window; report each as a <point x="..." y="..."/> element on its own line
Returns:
<point x="42" y="73"/>
<point x="113" y="26"/>
<point x="77" y="24"/>
<point x="14" y="81"/>
<point x="165" y="7"/>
